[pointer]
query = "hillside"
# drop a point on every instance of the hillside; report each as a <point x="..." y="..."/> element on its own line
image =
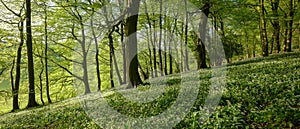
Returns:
<point x="259" y="93"/>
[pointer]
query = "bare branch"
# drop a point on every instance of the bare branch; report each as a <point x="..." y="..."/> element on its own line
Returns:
<point x="17" y="14"/>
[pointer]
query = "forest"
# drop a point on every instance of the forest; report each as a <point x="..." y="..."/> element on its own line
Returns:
<point x="180" y="63"/>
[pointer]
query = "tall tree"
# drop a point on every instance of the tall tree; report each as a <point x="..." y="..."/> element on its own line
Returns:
<point x="290" y="22"/>
<point x="133" y="77"/>
<point x="46" y="52"/>
<point x="263" y="28"/>
<point x="160" y="39"/>
<point x="16" y="85"/>
<point x="276" y="25"/>
<point x="200" y="46"/>
<point x="186" y="59"/>
<point x="31" y="97"/>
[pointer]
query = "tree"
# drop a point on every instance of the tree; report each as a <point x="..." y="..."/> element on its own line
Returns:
<point x="46" y="53"/>
<point x="16" y="85"/>
<point x="133" y="77"/>
<point x="263" y="29"/>
<point x="200" y="46"/>
<point x="31" y="96"/>
<point x="160" y="39"/>
<point x="276" y="25"/>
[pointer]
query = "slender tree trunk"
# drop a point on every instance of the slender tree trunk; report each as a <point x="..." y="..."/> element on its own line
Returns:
<point x="154" y="50"/>
<point x="15" y="87"/>
<point x="285" y="41"/>
<point x="263" y="30"/>
<point x="97" y="53"/>
<point x="133" y="76"/>
<point x="254" y="46"/>
<point x="41" y="82"/>
<point x="111" y="41"/>
<point x="18" y="68"/>
<point x="84" y="61"/>
<point x="150" y="52"/>
<point x="31" y="96"/>
<point x="165" y="53"/>
<point x="247" y="46"/>
<point x="170" y="50"/>
<point x="186" y="37"/>
<point x="144" y="75"/>
<point x="116" y="65"/>
<point x="202" y="37"/>
<point x="124" y="55"/>
<point x="290" y="25"/>
<point x="46" y="55"/>
<point x="160" y="39"/>
<point x="276" y="25"/>
<point x="150" y="40"/>
<point x="181" y="49"/>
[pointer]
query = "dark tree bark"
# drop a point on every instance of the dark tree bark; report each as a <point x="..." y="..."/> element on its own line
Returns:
<point x="276" y="25"/>
<point x="165" y="52"/>
<point x="31" y="96"/>
<point x="290" y="25"/>
<point x="181" y="48"/>
<point x="154" y="50"/>
<point x="41" y="81"/>
<point x="133" y="77"/>
<point x="46" y="55"/>
<point x="150" y="40"/>
<point x="124" y="54"/>
<point x="97" y="53"/>
<point x="254" y="47"/>
<point x="200" y="47"/>
<point x="16" y="85"/>
<point x="160" y="39"/>
<point x="186" y="60"/>
<point x="111" y="49"/>
<point x="263" y="29"/>
<point x="18" y="67"/>
<point x="286" y="32"/>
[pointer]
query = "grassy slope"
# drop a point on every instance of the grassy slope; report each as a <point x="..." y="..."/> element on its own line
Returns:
<point x="259" y="93"/>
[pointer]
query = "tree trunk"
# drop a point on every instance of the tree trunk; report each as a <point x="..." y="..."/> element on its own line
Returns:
<point x="15" y="87"/>
<point x="46" y="56"/>
<point x="263" y="30"/>
<point x="201" y="63"/>
<point x="124" y="55"/>
<point x="254" y="46"/>
<point x="247" y="46"/>
<point x="133" y="77"/>
<point x="290" y="25"/>
<point x="160" y="39"/>
<point x="186" y="38"/>
<point x="276" y="25"/>
<point x="286" y="31"/>
<point x="181" y="49"/>
<point x="170" y="49"/>
<point x="150" y="40"/>
<point x="84" y="61"/>
<point x="165" y="53"/>
<point x="41" y="82"/>
<point x="111" y="66"/>
<point x="31" y="96"/>
<point x="97" y="53"/>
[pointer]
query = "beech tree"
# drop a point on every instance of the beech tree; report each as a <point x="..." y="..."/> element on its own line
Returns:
<point x="133" y="77"/>
<point x="31" y="97"/>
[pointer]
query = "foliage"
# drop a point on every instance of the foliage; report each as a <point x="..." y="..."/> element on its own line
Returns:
<point x="261" y="93"/>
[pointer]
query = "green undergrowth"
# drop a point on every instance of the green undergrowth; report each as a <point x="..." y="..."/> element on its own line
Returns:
<point x="259" y="93"/>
